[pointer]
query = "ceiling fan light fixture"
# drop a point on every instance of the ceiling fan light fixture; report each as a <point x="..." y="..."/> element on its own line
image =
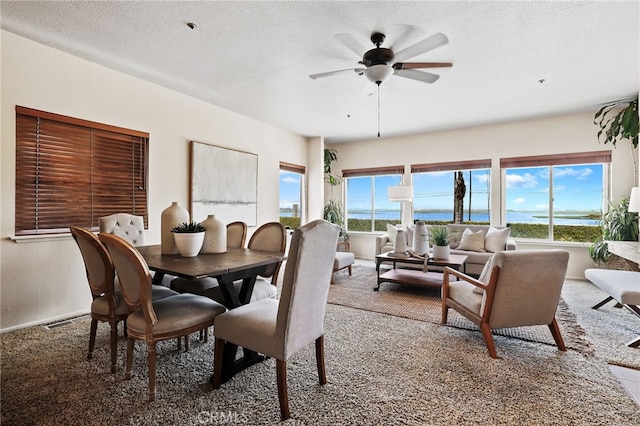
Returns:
<point x="378" y="74"/>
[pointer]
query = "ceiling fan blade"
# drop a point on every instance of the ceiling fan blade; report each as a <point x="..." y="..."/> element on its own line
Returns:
<point x="425" y="77"/>
<point x="330" y="73"/>
<point x="411" y="65"/>
<point x="429" y="43"/>
<point x="352" y="43"/>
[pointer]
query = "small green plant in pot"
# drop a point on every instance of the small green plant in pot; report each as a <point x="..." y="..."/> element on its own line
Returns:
<point x="189" y="237"/>
<point x="618" y="224"/>
<point x="440" y="238"/>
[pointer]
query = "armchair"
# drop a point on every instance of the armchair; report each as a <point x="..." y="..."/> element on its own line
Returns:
<point x="516" y="288"/>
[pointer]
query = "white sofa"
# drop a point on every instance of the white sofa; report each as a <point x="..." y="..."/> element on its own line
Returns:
<point x="476" y="258"/>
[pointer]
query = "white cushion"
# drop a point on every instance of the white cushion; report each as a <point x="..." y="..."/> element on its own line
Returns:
<point x="472" y="241"/>
<point x="392" y="231"/>
<point x="496" y="239"/>
<point x="485" y="275"/>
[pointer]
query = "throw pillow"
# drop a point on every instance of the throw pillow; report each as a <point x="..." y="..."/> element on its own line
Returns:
<point x="454" y="238"/>
<point x="472" y="241"/>
<point x="392" y="231"/>
<point x="409" y="231"/>
<point x="485" y="275"/>
<point x="496" y="239"/>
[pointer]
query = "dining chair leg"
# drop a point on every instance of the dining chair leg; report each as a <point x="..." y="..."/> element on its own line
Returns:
<point x="488" y="339"/>
<point x="151" y="357"/>
<point x="281" y="374"/>
<point x="114" y="344"/>
<point x="127" y="373"/>
<point x="555" y="332"/>
<point x="218" y="353"/>
<point x="322" y="375"/>
<point x="92" y="337"/>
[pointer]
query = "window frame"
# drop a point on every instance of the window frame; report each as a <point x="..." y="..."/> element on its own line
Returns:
<point x="371" y="173"/>
<point x="550" y="161"/>
<point x="52" y="152"/>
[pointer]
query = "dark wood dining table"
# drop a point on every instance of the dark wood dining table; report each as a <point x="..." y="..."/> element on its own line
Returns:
<point x="233" y="265"/>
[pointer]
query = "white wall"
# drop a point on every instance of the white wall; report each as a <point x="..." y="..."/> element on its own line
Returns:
<point x="43" y="281"/>
<point x="554" y="135"/>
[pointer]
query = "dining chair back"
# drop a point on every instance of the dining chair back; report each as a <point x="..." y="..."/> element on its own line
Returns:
<point x="517" y="288"/>
<point x="107" y="305"/>
<point x="127" y="226"/>
<point x="271" y="236"/>
<point x="152" y="321"/>
<point x="279" y="329"/>
<point x="236" y="234"/>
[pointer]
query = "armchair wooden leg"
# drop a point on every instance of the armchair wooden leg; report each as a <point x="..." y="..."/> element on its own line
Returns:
<point x="349" y="270"/>
<point x="555" y="331"/>
<point x="151" y="357"/>
<point x="218" y="353"/>
<point x="445" y="312"/>
<point x="114" y="345"/>
<point x="92" y="337"/>
<point x="281" y="374"/>
<point x="322" y="375"/>
<point x="488" y="339"/>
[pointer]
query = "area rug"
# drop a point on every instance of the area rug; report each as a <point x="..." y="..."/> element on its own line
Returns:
<point x="381" y="370"/>
<point x="424" y="304"/>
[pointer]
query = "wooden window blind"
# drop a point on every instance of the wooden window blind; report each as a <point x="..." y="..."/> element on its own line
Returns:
<point x="451" y="166"/>
<point x="374" y="171"/>
<point x="70" y="172"/>
<point x="594" y="157"/>
<point x="290" y="167"/>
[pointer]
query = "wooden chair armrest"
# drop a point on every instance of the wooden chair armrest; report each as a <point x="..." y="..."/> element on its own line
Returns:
<point x="465" y="277"/>
<point x="344" y="246"/>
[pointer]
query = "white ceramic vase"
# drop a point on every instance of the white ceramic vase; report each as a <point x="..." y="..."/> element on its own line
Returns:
<point x="189" y="244"/>
<point x="173" y="215"/>
<point x="400" y="244"/>
<point x="420" y="238"/>
<point x="441" y="252"/>
<point x="215" y="236"/>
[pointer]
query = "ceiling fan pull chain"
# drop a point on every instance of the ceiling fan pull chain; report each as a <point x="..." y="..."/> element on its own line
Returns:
<point x="378" y="110"/>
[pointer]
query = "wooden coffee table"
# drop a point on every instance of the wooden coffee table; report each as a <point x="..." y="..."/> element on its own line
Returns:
<point x="415" y="277"/>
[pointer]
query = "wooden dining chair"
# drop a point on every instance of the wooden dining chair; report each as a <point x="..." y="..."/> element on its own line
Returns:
<point x="516" y="288"/>
<point x="236" y="234"/>
<point x="107" y="305"/>
<point x="153" y="321"/>
<point x="279" y="329"/>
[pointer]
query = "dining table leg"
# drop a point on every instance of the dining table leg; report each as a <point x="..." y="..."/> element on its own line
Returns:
<point x="230" y="365"/>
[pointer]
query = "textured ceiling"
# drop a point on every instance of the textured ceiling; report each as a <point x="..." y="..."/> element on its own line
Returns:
<point x="255" y="57"/>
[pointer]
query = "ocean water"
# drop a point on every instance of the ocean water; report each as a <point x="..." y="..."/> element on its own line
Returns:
<point x="561" y="218"/>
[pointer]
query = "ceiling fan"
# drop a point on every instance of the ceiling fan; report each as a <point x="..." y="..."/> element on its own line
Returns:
<point x="380" y="63"/>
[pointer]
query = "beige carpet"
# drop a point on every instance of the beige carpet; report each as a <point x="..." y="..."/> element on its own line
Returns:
<point x="424" y="304"/>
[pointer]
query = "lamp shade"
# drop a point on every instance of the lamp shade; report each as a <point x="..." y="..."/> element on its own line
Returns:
<point x="400" y="193"/>
<point x="634" y="199"/>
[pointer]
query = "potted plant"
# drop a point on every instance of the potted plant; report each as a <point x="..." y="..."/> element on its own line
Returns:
<point x="333" y="211"/>
<point x="621" y="125"/>
<point x="440" y="237"/>
<point x="189" y="237"/>
<point x="618" y="224"/>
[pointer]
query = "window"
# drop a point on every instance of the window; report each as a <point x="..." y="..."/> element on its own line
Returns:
<point x="434" y="187"/>
<point x="555" y="197"/>
<point x="367" y="204"/>
<point x="291" y="194"/>
<point x="70" y="172"/>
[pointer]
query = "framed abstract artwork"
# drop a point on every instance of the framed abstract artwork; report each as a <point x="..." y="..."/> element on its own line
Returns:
<point x="224" y="182"/>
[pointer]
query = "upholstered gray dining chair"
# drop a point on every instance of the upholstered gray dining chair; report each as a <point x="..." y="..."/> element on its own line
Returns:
<point x="281" y="328"/>
<point x="516" y="288"/>
<point x="108" y="304"/>
<point x="154" y="320"/>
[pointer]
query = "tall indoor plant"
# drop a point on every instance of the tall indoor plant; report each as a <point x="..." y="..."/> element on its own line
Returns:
<point x="333" y="211"/>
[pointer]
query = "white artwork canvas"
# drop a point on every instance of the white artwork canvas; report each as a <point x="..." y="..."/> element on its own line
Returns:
<point x="224" y="182"/>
